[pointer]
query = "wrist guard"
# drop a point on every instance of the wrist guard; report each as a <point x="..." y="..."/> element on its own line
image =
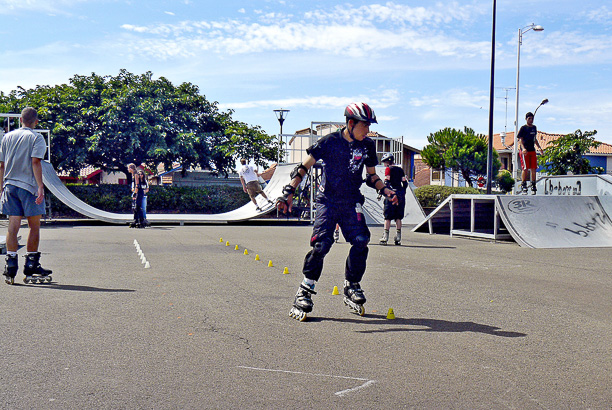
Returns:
<point x="371" y="179"/>
<point x="296" y="172"/>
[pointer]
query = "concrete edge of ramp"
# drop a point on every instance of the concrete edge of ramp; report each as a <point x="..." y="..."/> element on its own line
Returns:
<point x="273" y="190"/>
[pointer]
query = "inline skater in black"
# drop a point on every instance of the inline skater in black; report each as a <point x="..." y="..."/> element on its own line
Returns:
<point x="395" y="178"/>
<point x="344" y="154"/>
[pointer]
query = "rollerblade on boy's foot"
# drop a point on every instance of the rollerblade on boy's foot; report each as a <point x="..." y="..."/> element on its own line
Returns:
<point x="33" y="271"/>
<point x="336" y="235"/>
<point x="398" y="237"/>
<point x="354" y="297"/>
<point x="302" y="305"/>
<point x="385" y="237"/>
<point x="524" y="190"/>
<point x="10" y="269"/>
<point x="534" y="190"/>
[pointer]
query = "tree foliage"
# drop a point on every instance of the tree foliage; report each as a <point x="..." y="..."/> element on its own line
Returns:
<point x="461" y="151"/>
<point x="566" y="154"/>
<point x="110" y="121"/>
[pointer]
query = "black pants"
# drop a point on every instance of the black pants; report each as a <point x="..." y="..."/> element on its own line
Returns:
<point x="137" y="207"/>
<point x="354" y="230"/>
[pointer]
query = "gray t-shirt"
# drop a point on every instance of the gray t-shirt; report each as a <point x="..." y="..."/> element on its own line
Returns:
<point x="16" y="151"/>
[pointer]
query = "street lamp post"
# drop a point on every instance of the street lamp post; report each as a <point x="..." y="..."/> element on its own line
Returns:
<point x="544" y="101"/>
<point x="521" y="31"/>
<point x="281" y="115"/>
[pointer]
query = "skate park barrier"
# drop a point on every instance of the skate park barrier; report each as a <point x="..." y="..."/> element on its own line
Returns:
<point x="532" y="221"/>
<point x="273" y="190"/>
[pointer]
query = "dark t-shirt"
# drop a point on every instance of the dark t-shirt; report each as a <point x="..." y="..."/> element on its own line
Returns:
<point x="343" y="164"/>
<point x="396" y="178"/>
<point x="528" y="134"/>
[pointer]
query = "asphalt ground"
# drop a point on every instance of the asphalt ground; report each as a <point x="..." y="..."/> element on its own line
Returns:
<point x="477" y="324"/>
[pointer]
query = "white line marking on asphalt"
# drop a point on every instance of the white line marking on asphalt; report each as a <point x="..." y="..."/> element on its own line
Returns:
<point x="341" y="393"/>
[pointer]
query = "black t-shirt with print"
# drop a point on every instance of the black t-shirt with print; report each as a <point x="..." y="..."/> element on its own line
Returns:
<point x="528" y="134"/>
<point x="343" y="164"/>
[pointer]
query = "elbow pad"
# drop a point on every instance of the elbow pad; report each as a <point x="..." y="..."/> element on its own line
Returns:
<point x="296" y="172"/>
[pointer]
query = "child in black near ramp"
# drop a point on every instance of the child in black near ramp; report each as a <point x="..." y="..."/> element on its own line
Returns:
<point x="395" y="178"/>
<point x="344" y="154"/>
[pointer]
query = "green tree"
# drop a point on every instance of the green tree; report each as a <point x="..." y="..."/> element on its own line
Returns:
<point x="566" y="154"/>
<point x="461" y="151"/>
<point x="110" y="121"/>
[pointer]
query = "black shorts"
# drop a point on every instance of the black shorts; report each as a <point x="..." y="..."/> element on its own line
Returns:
<point x="393" y="212"/>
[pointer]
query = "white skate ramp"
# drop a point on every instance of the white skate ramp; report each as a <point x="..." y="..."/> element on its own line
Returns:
<point x="556" y="221"/>
<point x="373" y="208"/>
<point x="273" y="190"/>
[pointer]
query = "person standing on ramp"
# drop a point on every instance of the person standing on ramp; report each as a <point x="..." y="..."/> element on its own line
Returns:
<point x="344" y="154"/>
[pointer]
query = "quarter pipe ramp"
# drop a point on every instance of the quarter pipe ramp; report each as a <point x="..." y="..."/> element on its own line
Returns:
<point x="248" y="211"/>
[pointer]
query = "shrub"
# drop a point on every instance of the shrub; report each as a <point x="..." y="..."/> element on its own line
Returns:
<point x="504" y="180"/>
<point x="433" y="195"/>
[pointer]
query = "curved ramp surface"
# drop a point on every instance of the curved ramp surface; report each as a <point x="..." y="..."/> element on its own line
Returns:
<point x="273" y="190"/>
<point x="556" y="221"/>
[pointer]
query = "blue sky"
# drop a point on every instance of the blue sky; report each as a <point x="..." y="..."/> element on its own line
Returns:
<point x="422" y="65"/>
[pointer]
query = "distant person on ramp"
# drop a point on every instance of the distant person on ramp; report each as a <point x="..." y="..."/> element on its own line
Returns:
<point x="249" y="178"/>
<point x="395" y="179"/>
<point x="344" y="153"/>
<point x="527" y="138"/>
<point x="23" y="195"/>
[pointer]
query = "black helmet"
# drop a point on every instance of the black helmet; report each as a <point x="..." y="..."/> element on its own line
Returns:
<point x="388" y="157"/>
<point x="360" y="112"/>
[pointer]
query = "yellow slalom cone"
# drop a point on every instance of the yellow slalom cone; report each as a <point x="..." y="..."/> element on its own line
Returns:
<point x="390" y="314"/>
<point x="285" y="271"/>
<point x="270" y="264"/>
<point x="246" y="252"/>
<point x="335" y="291"/>
<point x="227" y="243"/>
<point x="220" y="239"/>
<point x="257" y="257"/>
<point x="236" y="248"/>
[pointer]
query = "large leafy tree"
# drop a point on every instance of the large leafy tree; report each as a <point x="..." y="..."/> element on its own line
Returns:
<point x="110" y="121"/>
<point x="461" y="151"/>
<point x="566" y="154"/>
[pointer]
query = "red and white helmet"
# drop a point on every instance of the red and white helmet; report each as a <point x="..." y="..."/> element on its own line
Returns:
<point x="360" y="112"/>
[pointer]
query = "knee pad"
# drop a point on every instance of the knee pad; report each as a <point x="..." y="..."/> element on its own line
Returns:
<point x="320" y="249"/>
<point x="361" y="241"/>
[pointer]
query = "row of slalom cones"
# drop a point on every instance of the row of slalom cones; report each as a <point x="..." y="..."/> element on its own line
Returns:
<point x="390" y="313"/>
<point x="257" y="258"/>
<point x="143" y="259"/>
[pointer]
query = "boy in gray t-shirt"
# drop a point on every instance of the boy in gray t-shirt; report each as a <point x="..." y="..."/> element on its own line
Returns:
<point x="23" y="195"/>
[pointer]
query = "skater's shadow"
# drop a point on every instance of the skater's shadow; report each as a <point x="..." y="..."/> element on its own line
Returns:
<point x="425" y="325"/>
<point x="76" y="288"/>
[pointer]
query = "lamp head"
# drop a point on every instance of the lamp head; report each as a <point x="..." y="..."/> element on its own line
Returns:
<point x="538" y="28"/>
<point x="544" y="101"/>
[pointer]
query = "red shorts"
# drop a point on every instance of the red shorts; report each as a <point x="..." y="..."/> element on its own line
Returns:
<point x="530" y="160"/>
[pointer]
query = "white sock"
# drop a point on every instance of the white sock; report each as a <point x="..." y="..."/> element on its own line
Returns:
<point x="309" y="282"/>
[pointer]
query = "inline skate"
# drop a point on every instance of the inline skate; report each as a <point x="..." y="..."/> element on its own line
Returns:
<point x="33" y="271"/>
<point x="302" y="305"/>
<point x="10" y="269"/>
<point x="354" y="297"/>
<point x="385" y="237"/>
<point x="398" y="237"/>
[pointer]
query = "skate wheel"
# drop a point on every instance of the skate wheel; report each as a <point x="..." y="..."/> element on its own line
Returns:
<point x="297" y="314"/>
<point x="49" y="279"/>
<point x="361" y="311"/>
<point x="10" y="281"/>
<point x="26" y="280"/>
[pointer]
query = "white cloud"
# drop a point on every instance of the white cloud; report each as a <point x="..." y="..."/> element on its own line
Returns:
<point x="169" y="13"/>
<point x="380" y="99"/>
<point x="454" y="98"/>
<point x="45" y="6"/>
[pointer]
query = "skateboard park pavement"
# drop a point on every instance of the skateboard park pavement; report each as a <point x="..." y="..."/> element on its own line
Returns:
<point x="477" y="324"/>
